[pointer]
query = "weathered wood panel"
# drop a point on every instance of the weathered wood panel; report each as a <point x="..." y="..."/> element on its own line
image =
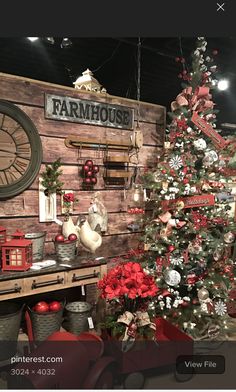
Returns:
<point x="31" y="92"/>
<point x="72" y="178"/>
<point x="117" y="223"/>
<point x="22" y="211"/>
<point x="111" y="246"/>
<point x="152" y="132"/>
<point x="27" y="203"/>
<point x="55" y="147"/>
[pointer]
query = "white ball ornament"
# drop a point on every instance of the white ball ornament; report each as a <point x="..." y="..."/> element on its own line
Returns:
<point x="200" y="144"/>
<point x="229" y="237"/>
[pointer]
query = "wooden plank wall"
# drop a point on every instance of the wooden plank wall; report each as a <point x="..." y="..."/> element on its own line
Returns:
<point x="22" y="211"/>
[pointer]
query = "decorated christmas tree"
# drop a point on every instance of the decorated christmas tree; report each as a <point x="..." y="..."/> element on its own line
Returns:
<point x="190" y="234"/>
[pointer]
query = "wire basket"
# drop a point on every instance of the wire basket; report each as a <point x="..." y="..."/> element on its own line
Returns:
<point x="44" y="324"/>
<point x="76" y="317"/>
<point x="10" y="320"/>
<point x="38" y="240"/>
<point x="65" y="251"/>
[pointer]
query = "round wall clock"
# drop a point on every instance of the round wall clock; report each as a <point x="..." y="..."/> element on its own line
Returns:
<point x="20" y="150"/>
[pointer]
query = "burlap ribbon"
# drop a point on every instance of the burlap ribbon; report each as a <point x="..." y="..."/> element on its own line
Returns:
<point x="198" y="101"/>
<point x="167" y="218"/>
<point x="133" y="321"/>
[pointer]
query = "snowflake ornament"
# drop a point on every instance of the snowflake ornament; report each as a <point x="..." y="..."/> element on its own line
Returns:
<point x="176" y="260"/>
<point x="220" y="308"/>
<point x="176" y="162"/>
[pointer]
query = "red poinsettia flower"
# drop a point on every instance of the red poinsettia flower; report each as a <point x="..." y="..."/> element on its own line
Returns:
<point x="68" y="197"/>
<point x="127" y="280"/>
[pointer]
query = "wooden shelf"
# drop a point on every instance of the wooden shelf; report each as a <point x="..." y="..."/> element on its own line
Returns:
<point x="117" y="159"/>
<point x="102" y="143"/>
<point x="117" y="174"/>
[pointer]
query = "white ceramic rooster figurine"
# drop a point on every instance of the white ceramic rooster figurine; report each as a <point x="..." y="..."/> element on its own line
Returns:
<point x="68" y="227"/>
<point x="89" y="238"/>
<point x="98" y="217"/>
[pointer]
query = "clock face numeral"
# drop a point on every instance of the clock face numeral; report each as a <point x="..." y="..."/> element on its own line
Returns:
<point x="20" y="136"/>
<point x="23" y="151"/>
<point x="15" y="151"/>
<point x="11" y="176"/>
<point x="20" y="165"/>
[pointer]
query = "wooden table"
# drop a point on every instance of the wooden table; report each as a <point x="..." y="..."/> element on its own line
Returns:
<point x="80" y="273"/>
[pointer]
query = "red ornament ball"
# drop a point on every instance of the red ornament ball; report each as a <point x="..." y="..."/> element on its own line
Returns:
<point x="171" y="248"/>
<point x="180" y="76"/>
<point x="95" y="169"/>
<point x="93" y="180"/>
<point x="177" y="59"/>
<point x="184" y="72"/>
<point x="86" y="168"/>
<point x="215" y="52"/>
<point x="72" y="237"/>
<point x="185" y="180"/>
<point x="41" y="307"/>
<point x="54" y="306"/>
<point x="89" y="162"/>
<point x="89" y="173"/>
<point x="59" y="238"/>
<point x="87" y="181"/>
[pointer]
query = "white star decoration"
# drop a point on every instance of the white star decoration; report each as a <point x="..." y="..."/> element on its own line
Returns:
<point x="176" y="260"/>
<point x="220" y="308"/>
<point x="176" y="162"/>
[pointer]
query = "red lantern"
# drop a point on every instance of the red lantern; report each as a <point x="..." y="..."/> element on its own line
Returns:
<point x="17" y="253"/>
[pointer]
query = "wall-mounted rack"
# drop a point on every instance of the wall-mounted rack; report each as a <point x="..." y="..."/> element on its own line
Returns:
<point x="116" y="157"/>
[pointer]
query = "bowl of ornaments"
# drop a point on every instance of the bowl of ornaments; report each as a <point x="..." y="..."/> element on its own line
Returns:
<point x="44" y="318"/>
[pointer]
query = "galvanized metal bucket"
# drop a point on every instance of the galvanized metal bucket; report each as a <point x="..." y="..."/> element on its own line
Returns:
<point x="65" y="251"/>
<point x="38" y="240"/>
<point x="76" y="316"/>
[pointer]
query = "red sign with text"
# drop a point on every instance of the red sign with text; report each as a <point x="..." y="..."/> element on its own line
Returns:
<point x="190" y="202"/>
<point x="206" y="128"/>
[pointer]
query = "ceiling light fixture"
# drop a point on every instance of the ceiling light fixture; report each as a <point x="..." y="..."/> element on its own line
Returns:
<point x="50" y="40"/>
<point x="223" y="85"/>
<point x="65" y="43"/>
<point x="33" y="39"/>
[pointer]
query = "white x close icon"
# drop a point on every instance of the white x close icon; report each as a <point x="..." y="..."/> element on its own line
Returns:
<point x="220" y="7"/>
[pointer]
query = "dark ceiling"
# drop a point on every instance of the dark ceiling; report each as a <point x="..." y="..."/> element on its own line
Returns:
<point x="114" y="63"/>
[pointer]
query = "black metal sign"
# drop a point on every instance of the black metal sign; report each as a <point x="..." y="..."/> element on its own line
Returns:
<point x="88" y="112"/>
